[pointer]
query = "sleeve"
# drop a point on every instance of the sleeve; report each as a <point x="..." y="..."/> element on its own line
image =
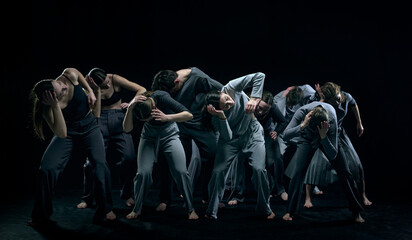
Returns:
<point x="204" y="83"/>
<point x="349" y="99"/>
<point x="255" y="80"/>
<point x="223" y="127"/>
<point x="293" y="128"/>
<point x="330" y="143"/>
<point x="277" y="117"/>
<point x="169" y="103"/>
<point x="308" y="94"/>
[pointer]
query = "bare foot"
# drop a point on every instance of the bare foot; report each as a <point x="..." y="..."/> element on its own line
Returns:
<point x="232" y="202"/>
<point x="210" y="217"/>
<point x="193" y="215"/>
<point x="271" y="216"/>
<point x="284" y="196"/>
<point x="111" y="216"/>
<point x="161" y="207"/>
<point x="287" y="217"/>
<point x="308" y="203"/>
<point x="317" y="191"/>
<point x="358" y="218"/>
<point x="133" y="215"/>
<point x="130" y="202"/>
<point x="221" y="205"/>
<point x="82" y="205"/>
<point x="366" y="201"/>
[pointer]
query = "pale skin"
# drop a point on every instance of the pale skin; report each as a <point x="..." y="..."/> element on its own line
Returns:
<point x="112" y="82"/>
<point x="58" y="100"/>
<point x="226" y="102"/>
<point x="157" y="115"/>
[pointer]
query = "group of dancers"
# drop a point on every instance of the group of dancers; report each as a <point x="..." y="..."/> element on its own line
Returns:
<point x="189" y="116"/>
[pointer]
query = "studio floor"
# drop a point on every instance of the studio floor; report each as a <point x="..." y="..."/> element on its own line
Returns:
<point x="329" y="219"/>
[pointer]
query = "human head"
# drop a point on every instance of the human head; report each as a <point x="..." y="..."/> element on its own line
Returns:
<point x="143" y="110"/>
<point x="294" y="96"/>
<point x="332" y="94"/>
<point x="165" y="80"/>
<point x="319" y="115"/>
<point x="37" y="96"/>
<point x="264" y="104"/>
<point x="42" y="86"/>
<point x="219" y="100"/>
<point x="99" y="76"/>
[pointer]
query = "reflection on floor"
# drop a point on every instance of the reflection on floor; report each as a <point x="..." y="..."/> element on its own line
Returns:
<point x="329" y="219"/>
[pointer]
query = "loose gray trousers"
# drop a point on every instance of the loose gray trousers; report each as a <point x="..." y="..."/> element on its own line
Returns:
<point x="163" y="138"/>
<point x="252" y="146"/>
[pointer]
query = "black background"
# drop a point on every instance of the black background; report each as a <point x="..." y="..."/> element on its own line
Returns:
<point x="364" y="46"/>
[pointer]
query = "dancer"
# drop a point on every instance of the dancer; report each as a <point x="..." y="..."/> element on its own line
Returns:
<point x="110" y="123"/>
<point x="273" y="123"/>
<point x="189" y="87"/>
<point x="315" y="125"/>
<point x="160" y="113"/>
<point x="320" y="167"/>
<point x="230" y="111"/>
<point x="66" y="109"/>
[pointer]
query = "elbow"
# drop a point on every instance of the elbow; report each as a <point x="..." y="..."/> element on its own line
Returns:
<point x="62" y="134"/>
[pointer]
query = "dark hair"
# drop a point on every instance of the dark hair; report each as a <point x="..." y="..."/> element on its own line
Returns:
<point x="294" y="96"/>
<point x="211" y="98"/>
<point x="319" y="115"/>
<point x="164" y="80"/>
<point x="267" y="97"/>
<point x="38" y="106"/>
<point x="144" y="109"/>
<point x="98" y="75"/>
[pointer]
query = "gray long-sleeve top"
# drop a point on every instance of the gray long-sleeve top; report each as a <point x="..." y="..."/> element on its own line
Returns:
<point x="237" y="122"/>
<point x="330" y="143"/>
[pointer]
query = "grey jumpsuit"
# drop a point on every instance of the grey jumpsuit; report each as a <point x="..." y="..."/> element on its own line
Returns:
<point x="240" y="132"/>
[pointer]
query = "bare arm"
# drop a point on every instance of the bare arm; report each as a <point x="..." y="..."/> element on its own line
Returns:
<point x="129" y="85"/>
<point x="53" y="114"/>
<point x="359" y="126"/>
<point x="184" y="116"/>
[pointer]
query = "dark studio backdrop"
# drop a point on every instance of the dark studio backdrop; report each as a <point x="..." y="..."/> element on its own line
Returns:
<point x="362" y="46"/>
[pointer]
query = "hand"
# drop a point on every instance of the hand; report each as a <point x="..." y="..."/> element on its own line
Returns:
<point x="319" y="91"/>
<point x="50" y="98"/>
<point x="159" y="115"/>
<point x="92" y="98"/>
<point x="285" y="93"/>
<point x="273" y="135"/>
<point x="359" y="129"/>
<point x="137" y="99"/>
<point x="124" y="105"/>
<point x="323" y="129"/>
<point x="306" y="121"/>
<point x="251" y="106"/>
<point x="212" y="110"/>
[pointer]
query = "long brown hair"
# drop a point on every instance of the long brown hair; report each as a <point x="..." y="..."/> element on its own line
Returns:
<point x="38" y="107"/>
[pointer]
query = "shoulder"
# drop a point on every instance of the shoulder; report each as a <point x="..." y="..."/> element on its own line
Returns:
<point x="71" y="73"/>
